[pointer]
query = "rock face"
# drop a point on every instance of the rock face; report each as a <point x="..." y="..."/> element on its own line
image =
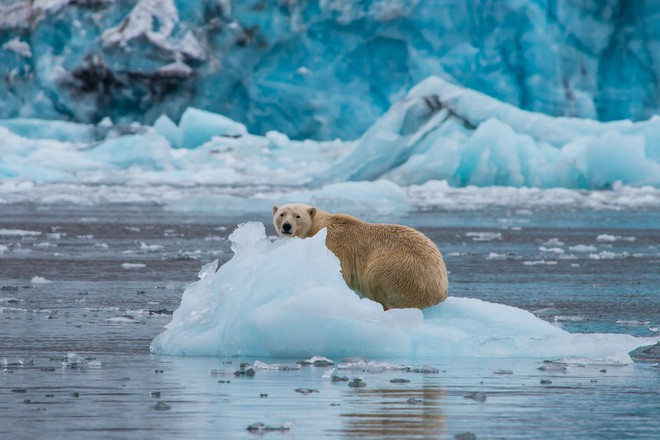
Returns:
<point x="322" y="69"/>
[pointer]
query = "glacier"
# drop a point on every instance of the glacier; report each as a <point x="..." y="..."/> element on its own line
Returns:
<point x="322" y="70"/>
<point x="440" y="145"/>
<point x="256" y="306"/>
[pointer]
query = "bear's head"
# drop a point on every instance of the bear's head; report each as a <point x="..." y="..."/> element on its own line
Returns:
<point x="294" y="220"/>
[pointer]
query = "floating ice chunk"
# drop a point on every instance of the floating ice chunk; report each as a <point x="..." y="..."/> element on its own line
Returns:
<point x="484" y="236"/>
<point x="133" y="265"/>
<point x="18" y="233"/>
<point x="259" y="365"/>
<point x="633" y="322"/>
<point x="583" y="248"/>
<point x="255" y="305"/>
<point x="369" y="366"/>
<point x="40" y="280"/>
<point x="150" y="247"/>
<point x="607" y="255"/>
<point x="553" y="242"/>
<point x="606" y="238"/>
<point x="122" y="320"/>
<point x="317" y="361"/>
<point x="74" y="361"/>
<point x="539" y="262"/>
<point x="44" y="244"/>
<point x="562" y="318"/>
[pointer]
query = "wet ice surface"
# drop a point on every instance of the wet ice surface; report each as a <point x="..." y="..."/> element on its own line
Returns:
<point x="85" y="290"/>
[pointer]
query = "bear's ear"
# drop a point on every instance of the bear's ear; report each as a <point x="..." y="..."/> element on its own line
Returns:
<point x="312" y="212"/>
<point x="275" y="208"/>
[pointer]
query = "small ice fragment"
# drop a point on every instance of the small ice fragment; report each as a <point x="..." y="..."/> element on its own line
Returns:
<point x="17" y="233"/>
<point x="583" y="248"/>
<point x="44" y="244"/>
<point x="606" y="238"/>
<point x="317" y="361"/>
<point x="633" y="322"/>
<point x="426" y="369"/>
<point x="484" y="236"/>
<point x="122" y="320"/>
<point x="73" y="361"/>
<point x="607" y="255"/>
<point x="150" y="247"/>
<point x="560" y="318"/>
<point x="553" y="242"/>
<point x="259" y="365"/>
<point x="40" y="280"/>
<point x="537" y="262"/>
<point x="502" y="372"/>
<point x="133" y="265"/>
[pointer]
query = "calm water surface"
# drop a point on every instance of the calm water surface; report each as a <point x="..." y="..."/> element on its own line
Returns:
<point x="84" y="290"/>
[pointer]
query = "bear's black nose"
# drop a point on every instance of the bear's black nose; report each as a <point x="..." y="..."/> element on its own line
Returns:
<point x="286" y="227"/>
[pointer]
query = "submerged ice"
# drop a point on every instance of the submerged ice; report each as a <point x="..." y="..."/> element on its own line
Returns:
<point x="287" y="298"/>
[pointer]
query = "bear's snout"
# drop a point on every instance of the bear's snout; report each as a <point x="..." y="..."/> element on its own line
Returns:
<point x="286" y="228"/>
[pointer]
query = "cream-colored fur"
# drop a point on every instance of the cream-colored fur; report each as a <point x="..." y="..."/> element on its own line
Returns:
<point x="395" y="265"/>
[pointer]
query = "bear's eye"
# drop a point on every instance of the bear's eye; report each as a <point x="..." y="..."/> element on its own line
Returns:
<point x="282" y="215"/>
<point x="297" y="216"/>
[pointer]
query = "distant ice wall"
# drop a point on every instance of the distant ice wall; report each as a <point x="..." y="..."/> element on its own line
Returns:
<point x="437" y="132"/>
<point x="322" y="69"/>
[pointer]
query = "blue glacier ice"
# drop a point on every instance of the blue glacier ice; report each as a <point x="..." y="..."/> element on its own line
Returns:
<point x="325" y="69"/>
<point x="256" y="306"/>
<point x="438" y="132"/>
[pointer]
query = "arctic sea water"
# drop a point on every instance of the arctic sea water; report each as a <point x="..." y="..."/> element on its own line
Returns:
<point x="545" y="305"/>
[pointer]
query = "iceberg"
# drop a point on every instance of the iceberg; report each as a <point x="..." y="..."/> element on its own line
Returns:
<point x="287" y="298"/>
<point x="441" y="131"/>
<point x="322" y="70"/>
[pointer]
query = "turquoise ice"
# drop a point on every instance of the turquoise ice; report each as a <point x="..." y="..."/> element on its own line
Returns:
<point x="287" y="298"/>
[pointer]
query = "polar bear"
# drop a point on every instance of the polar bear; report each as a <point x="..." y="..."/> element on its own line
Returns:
<point x="394" y="265"/>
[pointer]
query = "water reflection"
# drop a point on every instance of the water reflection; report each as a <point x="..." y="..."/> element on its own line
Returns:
<point x="394" y="413"/>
